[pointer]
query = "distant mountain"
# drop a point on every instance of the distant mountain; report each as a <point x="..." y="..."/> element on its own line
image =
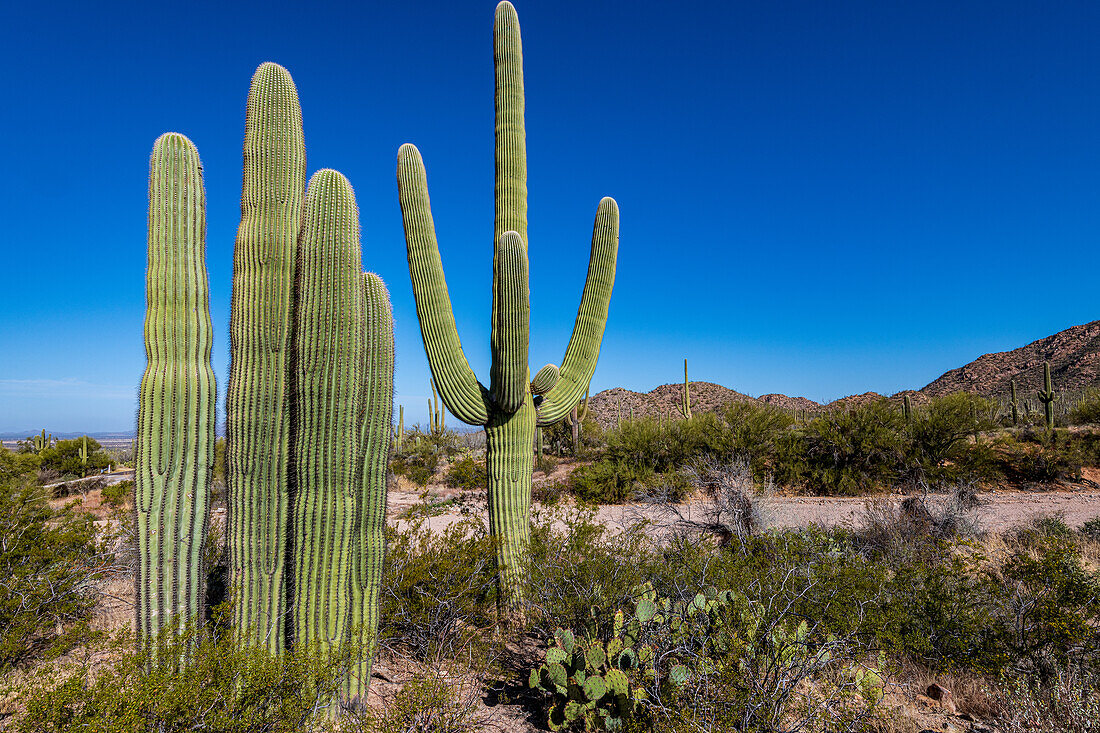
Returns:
<point x="1074" y="356"/>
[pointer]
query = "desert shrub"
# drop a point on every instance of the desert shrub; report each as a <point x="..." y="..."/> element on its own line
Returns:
<point x="755" y="431"/>
<point x="63" y="458"/>
<point x="438" y="588"/>
<point x="1065" y="703"/>
<point x="467" y="473"/>
<point x="1091" y="529"/>
<point x="426" y="703"/>
<point x="939" y="432"/>
<point x="1087" y="411"/>
<point x="119" y="494"/>
<point x="1039" y="457"/>
<point x="854" y="451"/>
<point x="608" y="482"/>
<point x="419" y="457"/>
<point x="223" y="688"/>
<point x="49" y="565"/>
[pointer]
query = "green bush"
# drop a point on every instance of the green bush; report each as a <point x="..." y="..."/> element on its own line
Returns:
<point x="1091" y="529"/>
<point x="119" y="494"/>
<point x="223" y="688"/>
<point x="1087" y="411"/>
<point x="63" y="457"/>
<point x="855" y="451"/>
<point x="467" y="473"/>
<point x="49" y="564"/>
<point x="939" y="433"/>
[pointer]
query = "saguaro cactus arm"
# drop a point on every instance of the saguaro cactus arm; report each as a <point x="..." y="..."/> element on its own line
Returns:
<point x="545" y="379"/>
<point x="579" y="363"/>
<point x="511" y="323"/>
<point x="463" y="395"/>
<point x="511" y="135"/>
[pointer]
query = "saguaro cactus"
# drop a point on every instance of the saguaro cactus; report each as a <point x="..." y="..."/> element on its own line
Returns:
<point x="1013" y="402"/>
<point x="907" y="408"/>
<point x="175" y="445"/>
<point x="437" y="420"/>
<point x="507" y="409"/>
<point x="369" y="548"/>
<point x="685" y="397"/>
<point x="257" y="402"/>
<point x="328" y="358"/>
<point x="1048" y="396"/>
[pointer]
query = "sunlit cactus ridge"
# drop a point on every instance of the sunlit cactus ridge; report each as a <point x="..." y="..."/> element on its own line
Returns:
<point x="175" y="454"/>
<point x="506" y="408"/>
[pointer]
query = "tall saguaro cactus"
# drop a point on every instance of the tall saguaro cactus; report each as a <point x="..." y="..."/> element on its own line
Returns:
<point x="1048" y="396"/>
<point x="369" y="549"/>
<point x="175" y="445"/>
<point x="685" y="397"/>
<point x="257" y="402"/>
<point x="328" y="393"/>
<point x="507" y="408"/>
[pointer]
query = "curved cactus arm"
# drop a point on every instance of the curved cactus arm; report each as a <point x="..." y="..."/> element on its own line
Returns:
<point x="545" y="379"/>
<point x="511" y="324"/>
<point x="584" y="345"/>
<point x="461" y="392"/>
<point x="375" y="439"/>
<point x="511" y="137"/>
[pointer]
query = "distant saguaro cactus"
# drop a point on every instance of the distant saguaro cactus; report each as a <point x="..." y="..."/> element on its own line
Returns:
<point x="685" y="396"/>
<point x="257" y="406"/>
<point x="1047" y="395"/>
<point x="175" y="444"/>
<point x="437" y="414"/>
<point x="507" y="409"/>
<point x="1013" y="402"/>
<point x="907" y="408"/>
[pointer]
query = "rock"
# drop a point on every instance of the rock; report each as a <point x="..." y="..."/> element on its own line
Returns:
<point x="942" y="695"/>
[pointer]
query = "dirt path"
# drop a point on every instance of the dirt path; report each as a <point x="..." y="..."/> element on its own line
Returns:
<point x="1001" y="510"/>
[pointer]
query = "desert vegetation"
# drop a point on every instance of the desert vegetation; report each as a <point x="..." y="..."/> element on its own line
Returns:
<point x="258" y="583"/>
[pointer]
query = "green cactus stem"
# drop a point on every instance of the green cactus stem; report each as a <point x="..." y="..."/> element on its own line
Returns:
<point x="175" y="431"/>
<point x="907" y="408"/>
<point x="506" y="408"/>
<point x="257" y="401"/>
<point x="1048" y="396"/>
<point x="1013" y="402"/>
<point x="685" y="397"/>
<point x="326" y="410"/>
<point x="399" y="436"/>
<point x="437" y="421"/>
<point x="369" y="548"/>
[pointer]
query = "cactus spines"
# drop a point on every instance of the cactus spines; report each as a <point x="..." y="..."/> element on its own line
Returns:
<point x="327" y="408"/>
<point x="1013" y="402"/>
<point x="175" y="443"/>
<point x="907" y="408"/>
<point x="370" y="542"/>
<point x="1048" y="396"/>
<point x="506" y="409"/>
<point x="685" y="398"/>
<point x="257" y="401"/>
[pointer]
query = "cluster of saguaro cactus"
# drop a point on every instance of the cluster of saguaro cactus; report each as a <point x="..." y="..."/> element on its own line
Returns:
<point x="42" y="441"/>
<point x="1048" y="396"/>
<point x="175" y="445"/>
<point x="310" y="400"/>
<point x="685" y="396"/>
<point x="507" y="408"/>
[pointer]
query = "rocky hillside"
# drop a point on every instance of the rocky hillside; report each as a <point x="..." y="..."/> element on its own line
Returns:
<point x="1074" y="356"/>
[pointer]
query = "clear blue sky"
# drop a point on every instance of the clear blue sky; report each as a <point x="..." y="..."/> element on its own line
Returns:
<point x="817" y="198"/>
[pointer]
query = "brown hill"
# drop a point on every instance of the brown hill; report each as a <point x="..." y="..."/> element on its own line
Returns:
<point x="663" y="401"/>
<point x="1074" y="356"/>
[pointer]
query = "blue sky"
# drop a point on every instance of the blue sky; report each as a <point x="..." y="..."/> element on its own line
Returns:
<point x="817" y="198"/>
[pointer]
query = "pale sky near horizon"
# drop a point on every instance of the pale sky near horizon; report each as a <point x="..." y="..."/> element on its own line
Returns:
<point x="817" y="199"/>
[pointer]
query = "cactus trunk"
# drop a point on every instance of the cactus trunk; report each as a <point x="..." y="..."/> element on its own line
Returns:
<point x="257" y="402"/>
<point x="175" y="445"/>
<point x="509" y="465"/>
